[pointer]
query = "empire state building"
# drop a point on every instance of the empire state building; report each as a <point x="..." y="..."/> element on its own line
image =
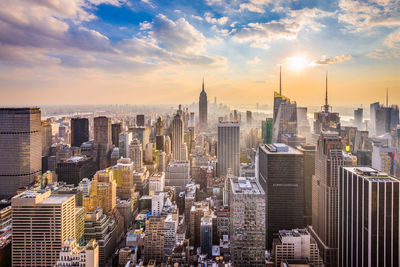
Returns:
<point x="203" y="109"/>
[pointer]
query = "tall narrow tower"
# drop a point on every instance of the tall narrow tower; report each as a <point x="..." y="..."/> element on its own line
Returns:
<point x="177" y="126"/>
<point x="203" y="109"/>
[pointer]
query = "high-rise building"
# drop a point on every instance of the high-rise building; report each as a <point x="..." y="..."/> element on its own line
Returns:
<point x="308" y="151"/>
<point x="358" y="118"/>
<point x="368" y="224"/>
<point x="159" y="126"/>
<point x="177" y="126"/>
<point x="386" y="119"/>
<point x="248" y="117"/>
<point x="123" y="176"/>
<point x="46" y="138"/>
<point x="383" y="159"/>
<point x="140" y="120"/>
<point x="247" y="226"/>
<point x="79" y="131"/>
<point x="154" y="239"/>
<point x="328" y="158"/>
<point x="136" y="154"/>
<point x="178" y="174"/>
<point x="74" y="169"/>
<point x="285" y="121"/>
<point x="102" y="141"/>
<point x="372" y="115"/>
<point x="206" y="235"/>
<point x="41" y="223"/>
<point x="296" y="244"/>
<point x="116" y="129"/>
<point x="203" y="124"/>
<point x="266" y="130"/>
<point x="326" y="120"/>
<point x="103" y="193"/>
<point x="228" y="150"/>
<point x="282" y="179"/>
<point x="20" y="148"/>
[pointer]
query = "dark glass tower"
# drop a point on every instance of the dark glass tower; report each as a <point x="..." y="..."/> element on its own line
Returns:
<point x="79" y="131"/>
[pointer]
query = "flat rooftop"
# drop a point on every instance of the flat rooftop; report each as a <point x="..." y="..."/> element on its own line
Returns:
<point x="279" y="148"/>
<point x="246" y="185"/>
<point x="372" y="174"/>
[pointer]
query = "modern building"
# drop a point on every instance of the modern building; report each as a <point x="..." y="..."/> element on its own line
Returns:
<point x="102" y="141"/>
<point x="74" y="169"/>
<point x="103" y="193"/>
<point x="79" y="131"/>
<point x="157" y="203"/>
<point x="46" y="138"/>
<point x="296" y="244"/>
<point x="285" y="118"/>
<point x="266" y="130"/>
<point x="116" y="129"/>
<point x="123" y="176"/>
<point x="203" y="109"/>
<point x="281" y="175"/>
<point x="247" y="227"/>
<point x="228" y="151"/>
<point x="358" y="118"/>
<point x="157" y="182"/>
<point x="328" y="159"/>
<point x="384" y="159"/>
<point x="153" y="247"/>
<point x="178" y="174"/>
<point x="140" y="120"/>
<point x="177" y="127"/>
<point x="206" y="235"/>
<point x="368" y="224"/>
<point x="20" y="148"/>
<point x="41" y="223"/>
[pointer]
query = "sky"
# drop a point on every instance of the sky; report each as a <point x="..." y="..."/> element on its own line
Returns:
<point x="157" y="52"/>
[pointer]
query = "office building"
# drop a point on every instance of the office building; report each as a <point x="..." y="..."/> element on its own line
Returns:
<point x="247" y="227"/>
<point x="159" y="126"/>
<point x="46" y="138"/>
<point x="203" y="124"/>
<point x="177" y="140"/>
<point x="206" y="235"/>
<point x="41" y="223"/>
<point x="140" y="120"/>
<point x="308" y="151"/>
<point x="79" y="131"/>
<point x="103" y="193"/>
<point x="285" y="121"/>
<point x="383" y="159"/>
<point x="296" y="244"/>
<point x="178" y="174"/>
<point x="136" y="153"/>
<point x="102" y="141"/>
<point x="157" y="203"/>
<point x="116" y="129"/>
<point x="228" y="151"/>
<point x="72" y="254"/>
<point x="20" y="148"/>
<point x="157" y="182"/>
<point x="358" y="118"/>
<point x="123" y="176"/>
<point x="74" y="169"/>
<point x="328" y="158"/>
<point x="153" y="245"/>
<point x="368" y="224"/>
<point x="281" y="176"/>
<point x="125" y="139"/>
<point x="266" y="130"/>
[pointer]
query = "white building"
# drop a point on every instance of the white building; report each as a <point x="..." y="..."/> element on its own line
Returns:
<point x="74" y="255"/>
<point x="157" y="203"/>
<point x="157" y="182"/>
<point x="296" y="244"/>
<point x="178" y="174"/>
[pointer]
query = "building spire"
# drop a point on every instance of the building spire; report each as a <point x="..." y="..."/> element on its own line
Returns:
<point x="387" y="97"/>
<point x="202" y="87"/>
<point x="280" y="79"/>
<point x="326" y="106"/>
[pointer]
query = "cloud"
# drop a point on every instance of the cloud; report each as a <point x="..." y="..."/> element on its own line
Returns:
<point x="382" y="54"/>
<point x="149" y="3"/>
<point x="196" y="17"/>
<point x="251" y="7"/>
<point x="260" y="34"/>
<point x="253" y="61"/>
<point x="362" y="15"/>
<point x="393" y="40"/>
<point x="211" y="20"/>
<point x="330" y="60"/>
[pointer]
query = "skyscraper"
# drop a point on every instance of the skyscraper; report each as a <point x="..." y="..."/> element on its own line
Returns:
<point x="177" y="138"/>
<point x="326" y="120"/>
<point x="368" y="225"/>
<point x="228" y="148"/>
<point x="140" y="120"/>
<point x="281" y="177"/>
<point x="285" y="121"/>
<point x="136" y="154"/>
<point x="20" y="148"/>
<point x="266" y="130"/>
<point x="116" y="129"/>
<point x="358" y="118"/>
<point x="328" y="158"/>
<point x="102" y="140"/>
<point x="79" y="131"/>
<point x="41" y="223"/>
<point x="203" y="109"/>
<point x="247" y="222"/>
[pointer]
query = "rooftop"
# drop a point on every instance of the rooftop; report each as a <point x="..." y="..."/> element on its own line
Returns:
<point x="246" y="185"/>
<point x="279" y="148"/>
<point x="372" y="174"/>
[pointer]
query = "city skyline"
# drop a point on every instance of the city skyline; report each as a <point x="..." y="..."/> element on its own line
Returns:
<point x="94" y="51"/>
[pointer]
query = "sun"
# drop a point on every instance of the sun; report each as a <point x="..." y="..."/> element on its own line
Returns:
<point x="297" y="63"/>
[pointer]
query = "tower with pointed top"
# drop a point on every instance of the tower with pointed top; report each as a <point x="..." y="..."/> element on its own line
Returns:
<point x="203" y="109"/>
<point x="326" y="120"/>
